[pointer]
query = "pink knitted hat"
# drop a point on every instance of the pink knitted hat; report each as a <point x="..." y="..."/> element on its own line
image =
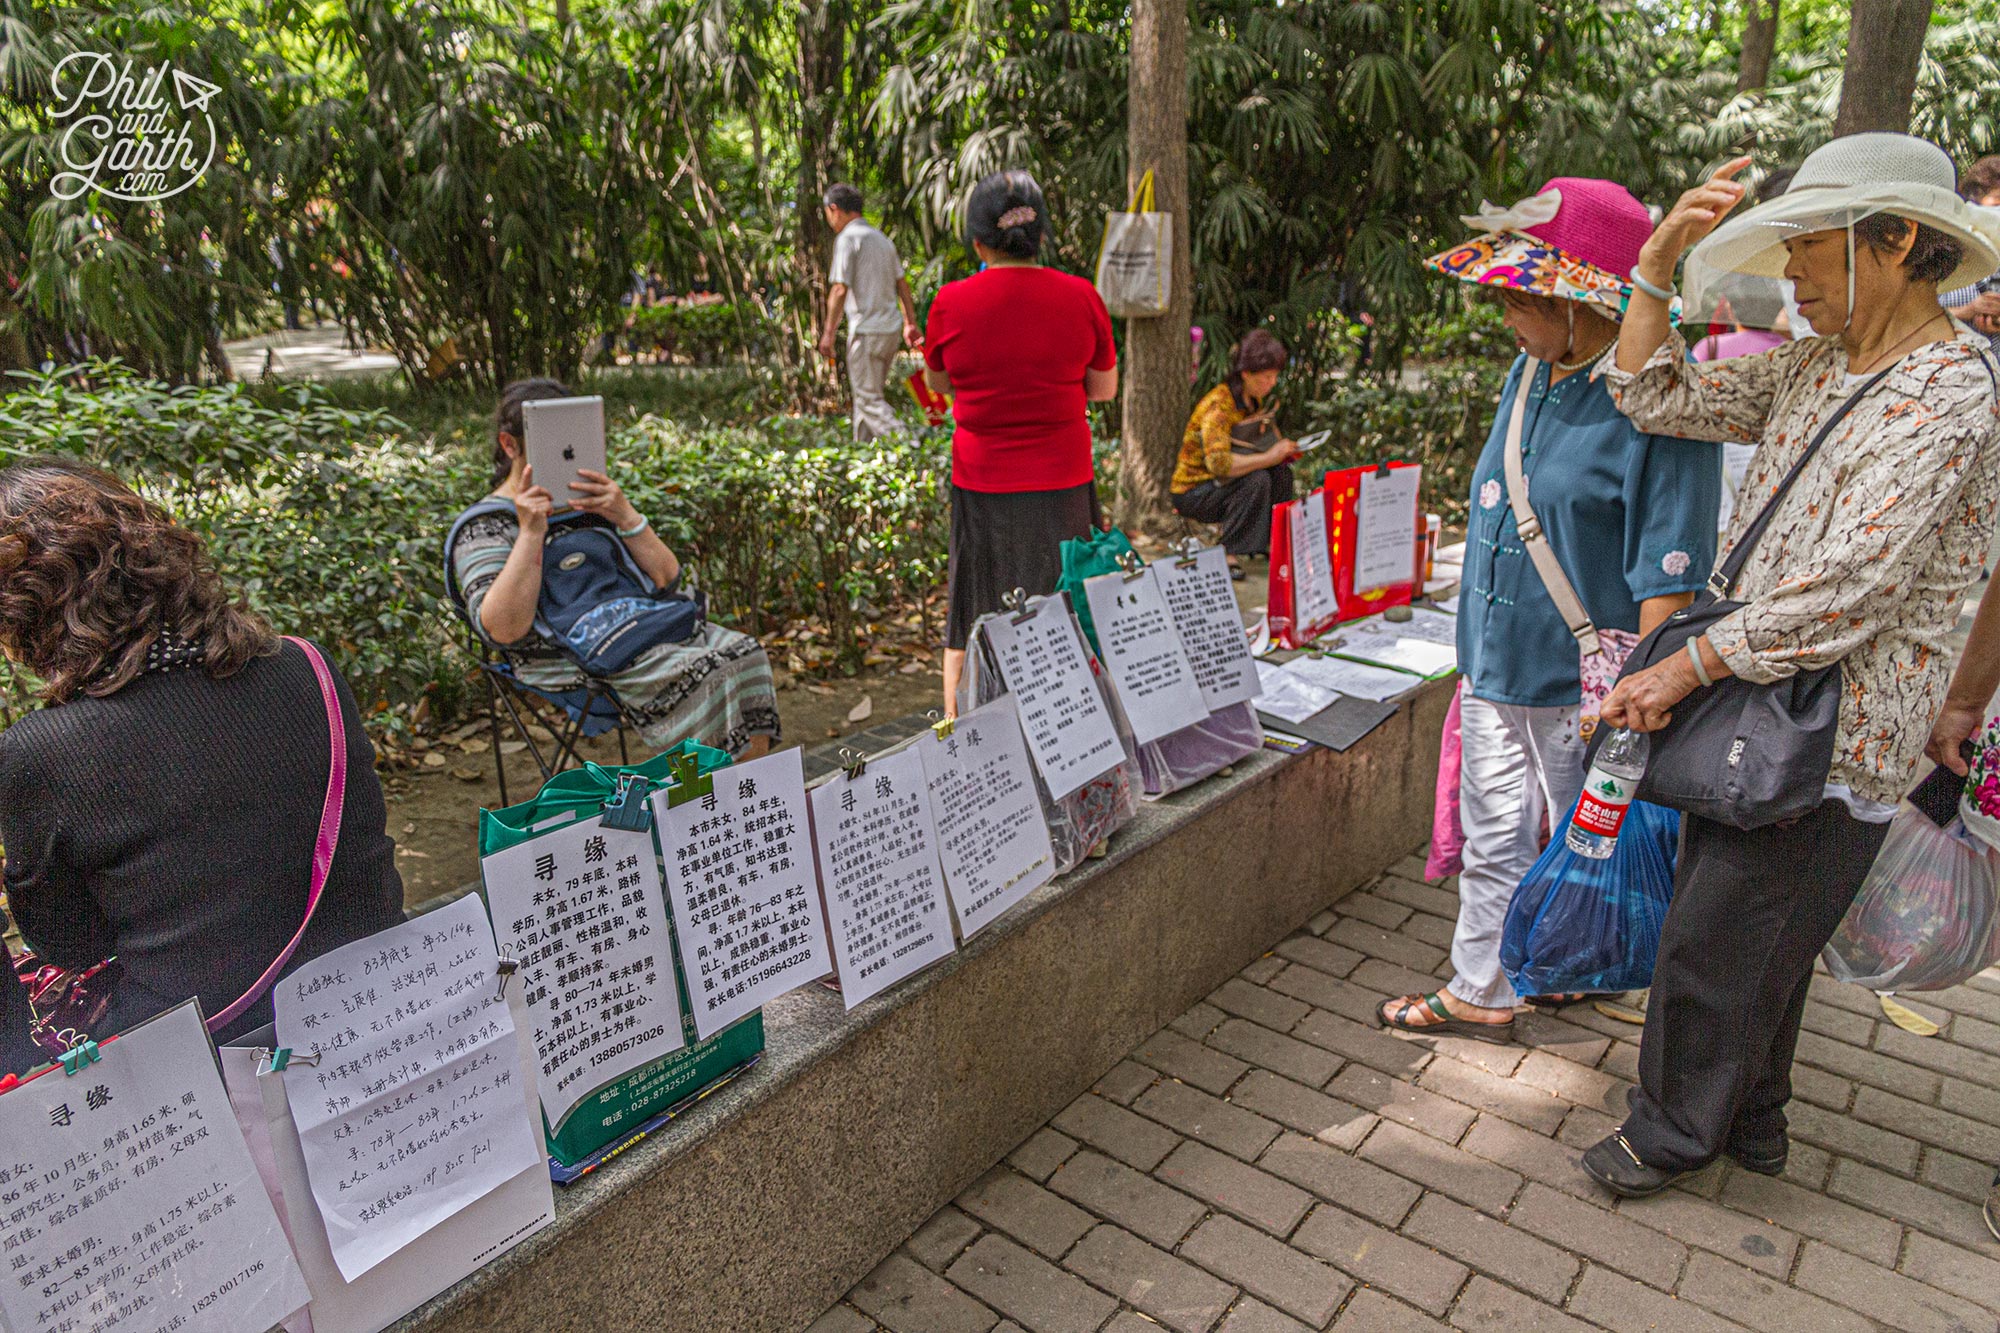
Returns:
<point x="1575" y="238"/>
<point x="1599" y="222"/>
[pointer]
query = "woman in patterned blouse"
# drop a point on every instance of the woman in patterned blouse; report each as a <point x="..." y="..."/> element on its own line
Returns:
<point x="1219" y="480"/>
<point x="1866" y="563"/>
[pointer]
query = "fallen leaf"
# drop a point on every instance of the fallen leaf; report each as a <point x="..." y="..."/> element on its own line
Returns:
<point x="512" y="747"/>
<point x="911" y="669"/>
<point x="434" y="760"/>
<point x="1908" y="1019"/>
<point x="477" y="745"/>
<point x="465" y="775"/>
<point x="409" y="828"/>
<point x="861" y="711"/>
<point x="833" y="731"/>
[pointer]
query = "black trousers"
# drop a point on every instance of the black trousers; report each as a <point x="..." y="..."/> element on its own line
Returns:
<point x="1241" y="505"/>
<point x="1751" y="912"/>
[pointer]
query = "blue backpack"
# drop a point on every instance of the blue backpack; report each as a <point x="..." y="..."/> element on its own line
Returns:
<point x="597" y="607"/>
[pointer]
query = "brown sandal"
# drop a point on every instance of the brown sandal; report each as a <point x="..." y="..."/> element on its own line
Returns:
<point x="1497" y="1033"/>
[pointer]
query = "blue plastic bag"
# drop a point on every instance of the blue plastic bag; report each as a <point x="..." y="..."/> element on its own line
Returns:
<point x="1578" y="924"/>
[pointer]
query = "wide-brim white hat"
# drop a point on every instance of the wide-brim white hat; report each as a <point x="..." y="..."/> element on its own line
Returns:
<point x="1838" y="185"/>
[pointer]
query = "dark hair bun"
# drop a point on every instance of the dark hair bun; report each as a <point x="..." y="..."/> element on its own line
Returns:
<point x="1006" y="212"/>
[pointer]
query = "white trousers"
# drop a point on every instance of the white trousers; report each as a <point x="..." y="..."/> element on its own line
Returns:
<point x="869" y="357"/>
<point x="1517" y="763"/>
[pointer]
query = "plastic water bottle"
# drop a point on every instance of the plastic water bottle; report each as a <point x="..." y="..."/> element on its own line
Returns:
<point x="1607" y="794"/>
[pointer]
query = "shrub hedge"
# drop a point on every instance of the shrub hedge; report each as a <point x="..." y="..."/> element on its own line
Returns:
<point x="329" y="512"/>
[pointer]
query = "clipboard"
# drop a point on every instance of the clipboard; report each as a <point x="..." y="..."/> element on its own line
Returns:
<point x="618" y="1114"/>
<point x="1343" y="525"/>
<point x="467" y="1240"/>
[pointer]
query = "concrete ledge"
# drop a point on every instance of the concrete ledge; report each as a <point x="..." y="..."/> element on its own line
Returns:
<point x="770" y="1200"/>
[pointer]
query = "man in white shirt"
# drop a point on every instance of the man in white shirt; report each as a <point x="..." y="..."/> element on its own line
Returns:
<point x="866" y="280"/>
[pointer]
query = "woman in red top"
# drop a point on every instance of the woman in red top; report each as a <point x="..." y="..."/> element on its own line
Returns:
<point x="1022" y="349"/>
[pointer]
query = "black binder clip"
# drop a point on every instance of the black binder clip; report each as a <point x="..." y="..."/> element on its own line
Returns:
<point x="852" y="762"/>
<point x="504" y="968"/>
<point x="628" y="808"/>
<point x="1134" y="567"/>
<point x="1382" y="468"/>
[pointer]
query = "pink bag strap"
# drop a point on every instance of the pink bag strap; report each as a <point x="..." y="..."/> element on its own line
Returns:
<point x="329" y="833"/>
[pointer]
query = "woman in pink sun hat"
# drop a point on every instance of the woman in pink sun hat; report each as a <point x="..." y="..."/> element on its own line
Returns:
<point x="1624" y="523"/>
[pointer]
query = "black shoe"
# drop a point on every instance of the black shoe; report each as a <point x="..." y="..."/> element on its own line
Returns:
<point x="1764" y="1159"/>
<point x="1612" y="1163"/>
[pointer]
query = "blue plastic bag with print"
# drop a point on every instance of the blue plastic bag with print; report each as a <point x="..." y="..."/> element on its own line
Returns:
<point x="1578" y="924"/>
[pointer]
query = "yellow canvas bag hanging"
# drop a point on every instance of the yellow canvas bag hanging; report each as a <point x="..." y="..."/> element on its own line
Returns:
<point x="1135" y="263"/>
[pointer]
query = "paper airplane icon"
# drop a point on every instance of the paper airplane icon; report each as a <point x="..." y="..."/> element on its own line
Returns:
<point x="194" y="93"/>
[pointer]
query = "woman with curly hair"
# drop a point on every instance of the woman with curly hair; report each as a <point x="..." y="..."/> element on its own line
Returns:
<point x="165" y="805"/>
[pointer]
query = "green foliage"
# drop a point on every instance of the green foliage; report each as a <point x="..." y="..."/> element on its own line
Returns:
<point x="702" y="335"/>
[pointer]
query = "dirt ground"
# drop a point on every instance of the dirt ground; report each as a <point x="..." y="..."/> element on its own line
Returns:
<point x="434" y="810"/>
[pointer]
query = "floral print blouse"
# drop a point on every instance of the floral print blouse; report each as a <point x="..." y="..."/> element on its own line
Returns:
<point x="1868" y="560"/>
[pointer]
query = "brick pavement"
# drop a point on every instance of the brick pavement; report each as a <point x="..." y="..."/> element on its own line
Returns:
<point x="1270" y="1162"/>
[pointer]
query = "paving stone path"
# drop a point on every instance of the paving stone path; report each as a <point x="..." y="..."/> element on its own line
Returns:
<point x="1270" y="1162"/>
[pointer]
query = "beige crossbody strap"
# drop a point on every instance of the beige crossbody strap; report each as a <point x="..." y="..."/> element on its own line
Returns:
<point x="1532" y="536"/>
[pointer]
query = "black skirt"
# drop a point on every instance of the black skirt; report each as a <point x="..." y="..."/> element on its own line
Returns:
<point x="1003" y="540"/>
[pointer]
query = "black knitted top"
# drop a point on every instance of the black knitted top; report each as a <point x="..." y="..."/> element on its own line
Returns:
<point x="173" y="823"/>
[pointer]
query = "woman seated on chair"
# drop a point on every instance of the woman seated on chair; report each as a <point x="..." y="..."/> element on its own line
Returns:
<point x="1235" y="463"/>
<point x="714" y="687"/>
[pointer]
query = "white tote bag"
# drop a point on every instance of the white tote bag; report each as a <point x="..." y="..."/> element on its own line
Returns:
<point x="1135" y="264"/>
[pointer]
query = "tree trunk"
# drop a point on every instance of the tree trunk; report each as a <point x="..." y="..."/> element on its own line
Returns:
<point x="1760" y="41"/>
<point x="1885" y="44"/>
<point x="1155" y="371"/>
<point x="822" y="35"/>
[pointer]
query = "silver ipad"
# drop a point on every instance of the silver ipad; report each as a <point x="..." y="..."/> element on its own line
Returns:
<point x="565" y="435"/>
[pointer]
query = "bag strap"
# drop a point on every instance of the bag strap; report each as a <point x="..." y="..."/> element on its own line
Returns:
<point x="1142" y="194"/>
<point x="329" y="833"/>
<point x="1723" y="581"/>
<point x="1568" y="604"/>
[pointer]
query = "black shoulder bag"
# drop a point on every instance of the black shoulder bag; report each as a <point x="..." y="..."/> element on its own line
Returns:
<point x="1740" y="753"/>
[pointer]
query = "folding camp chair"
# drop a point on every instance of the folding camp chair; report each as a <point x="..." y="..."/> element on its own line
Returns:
<point x="590" y="709"/>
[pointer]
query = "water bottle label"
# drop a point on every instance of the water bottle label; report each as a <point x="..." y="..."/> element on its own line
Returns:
<point x="1602" y="808"/>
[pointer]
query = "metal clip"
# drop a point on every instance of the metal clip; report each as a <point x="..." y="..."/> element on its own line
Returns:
<point x="1190" y="548"/>
<point x="941" y="724"/>
<point x="79" y="1055"/>
<point x="690" y="783"/>
<point x="1382" y="468"/>
<point x="628" y="808"/>
<point x="852" y="762"/>
<point x="1017" y="602"/>
<point x="1133" y="566"/>
<point x="276" y="1060"/>
<point x="504" y="968"/>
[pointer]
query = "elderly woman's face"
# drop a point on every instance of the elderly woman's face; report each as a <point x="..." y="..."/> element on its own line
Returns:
<point x="1541" y="324"/>
<point x="1816" y="264"/>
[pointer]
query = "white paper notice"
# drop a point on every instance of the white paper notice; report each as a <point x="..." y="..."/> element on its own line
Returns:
<point x="1313" y="601"/>
<point x="413" y="1111"/>
<point x="1449" y="605"/>
<point x="1384" y="646"/>
<point x="1203" y="604"/>
<point x="740" y="867"/>
<point x="1143" y="653"/>
<point x="992" y="837"/>
<point x="132" y="1203"/>
<point x="885" y="897"/>
<point x="580" y="909"/>
<point x="1355" y="678"/>
<point x="1289" y="695"/>
<point x="1385" y="541"/>
<point x="1069" y="730"/>
<point x="1426" y="627"/>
